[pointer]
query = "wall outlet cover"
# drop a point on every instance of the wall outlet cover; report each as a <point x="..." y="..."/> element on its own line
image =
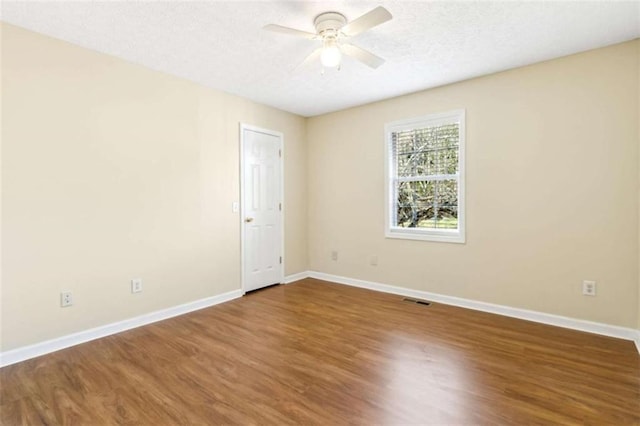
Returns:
<point x="588" y="288"/>
<point x="136" y="285"/>
<point x="66" y="299"/>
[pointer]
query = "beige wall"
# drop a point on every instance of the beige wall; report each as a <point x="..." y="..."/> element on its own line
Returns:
<point x="552" y="190"/>
<point x="111" y="171"/>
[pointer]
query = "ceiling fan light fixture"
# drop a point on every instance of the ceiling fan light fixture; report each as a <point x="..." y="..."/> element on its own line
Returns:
<point x="333" y="30"/>
<point x="331" y="54"/>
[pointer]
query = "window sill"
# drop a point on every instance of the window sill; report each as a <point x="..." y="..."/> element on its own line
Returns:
<point x="422" y="235"/>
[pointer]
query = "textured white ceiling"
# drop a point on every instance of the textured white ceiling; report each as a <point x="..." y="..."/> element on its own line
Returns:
<point x="221" y="44"/>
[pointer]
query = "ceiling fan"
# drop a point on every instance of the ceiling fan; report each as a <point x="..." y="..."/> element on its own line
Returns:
<point x="332" y="29"/>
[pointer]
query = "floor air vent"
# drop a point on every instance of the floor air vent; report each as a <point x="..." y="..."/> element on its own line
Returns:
<point x="418" y="301"/>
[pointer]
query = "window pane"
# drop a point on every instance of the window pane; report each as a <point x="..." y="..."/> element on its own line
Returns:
<point x="427" y="204"/>
<point x="426" y="151"/>
<point x="446" y="204"/>
<point x="414" y="203"/>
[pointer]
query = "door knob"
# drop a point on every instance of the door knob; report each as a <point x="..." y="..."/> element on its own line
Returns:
<point x="249" y="219"/>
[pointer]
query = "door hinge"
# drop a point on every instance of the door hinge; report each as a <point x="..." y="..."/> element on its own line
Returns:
<point x="280" y="153"/>
<point x="280" y="206"/>
<point x="280" y="259"/>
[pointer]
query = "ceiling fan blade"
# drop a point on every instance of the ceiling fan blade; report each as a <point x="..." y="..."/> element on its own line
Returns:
<point x="362" y="55"/>
<point x="290" y="31"/>
<point x="313" y="56"/>
<point x="369" y="20"/>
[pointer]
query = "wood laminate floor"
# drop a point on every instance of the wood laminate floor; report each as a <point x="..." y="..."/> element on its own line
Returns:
<point x="320" y="353"/>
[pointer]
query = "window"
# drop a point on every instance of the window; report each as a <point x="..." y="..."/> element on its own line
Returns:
<point x="425" y="178"/>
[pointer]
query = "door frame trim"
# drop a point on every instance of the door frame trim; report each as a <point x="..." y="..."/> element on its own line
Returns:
<point x="280" y="136"/>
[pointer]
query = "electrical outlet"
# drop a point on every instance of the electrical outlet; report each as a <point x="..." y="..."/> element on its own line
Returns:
<point x="588" y="288"/>
<point x="66" y="299"/>
<point x="136" y="285"/>
<point x="373" y="260"/>
<point x="334" y="255"/>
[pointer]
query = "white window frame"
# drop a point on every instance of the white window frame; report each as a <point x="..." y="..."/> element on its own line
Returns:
<point x="441" y="235"/>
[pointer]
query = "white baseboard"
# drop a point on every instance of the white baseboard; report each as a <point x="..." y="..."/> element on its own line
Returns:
<point x="295" y="277"/>
<point x="541" y="317"/>
<point x="32" y="351"/>
<point x="38" y="349"/>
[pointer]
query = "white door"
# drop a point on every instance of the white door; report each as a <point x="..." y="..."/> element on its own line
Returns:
<point x="261" y="168"/>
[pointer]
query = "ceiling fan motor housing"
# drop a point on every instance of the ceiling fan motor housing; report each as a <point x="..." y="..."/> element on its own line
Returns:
<point x="329" y="23"/>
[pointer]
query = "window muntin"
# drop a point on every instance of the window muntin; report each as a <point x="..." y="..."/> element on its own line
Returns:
<point x="425" y="178"/>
